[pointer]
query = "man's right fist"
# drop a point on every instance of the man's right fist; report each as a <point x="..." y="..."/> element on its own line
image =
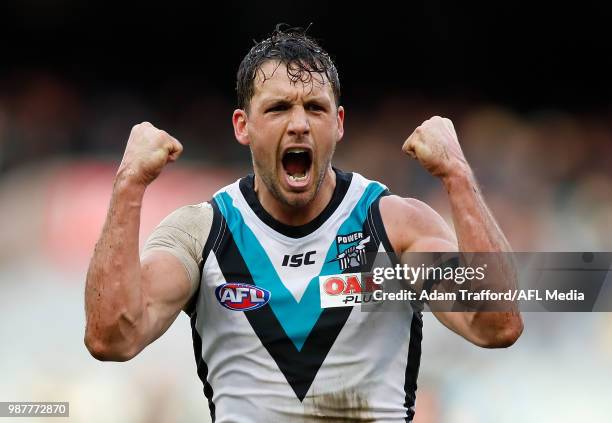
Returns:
<point x="148" y="150"/>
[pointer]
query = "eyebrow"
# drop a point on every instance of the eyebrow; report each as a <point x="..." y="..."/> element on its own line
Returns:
<point x="275" y="100"/>
<point x="285" y="100"/>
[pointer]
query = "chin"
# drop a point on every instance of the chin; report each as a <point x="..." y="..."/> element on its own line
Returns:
<point x="298" y="199"/>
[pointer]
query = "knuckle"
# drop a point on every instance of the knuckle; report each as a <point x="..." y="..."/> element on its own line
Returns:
<point x="141" y="127"/>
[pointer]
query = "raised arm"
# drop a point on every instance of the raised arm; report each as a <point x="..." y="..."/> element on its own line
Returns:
<point x="415" y="227"/>
<point x="129" y="304"/>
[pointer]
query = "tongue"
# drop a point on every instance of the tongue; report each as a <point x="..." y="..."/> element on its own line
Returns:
<point x="296" y="164"/>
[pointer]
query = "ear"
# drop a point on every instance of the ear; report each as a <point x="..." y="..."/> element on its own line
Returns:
<point x="340" y="119"/>
<point x="239" y="120"/>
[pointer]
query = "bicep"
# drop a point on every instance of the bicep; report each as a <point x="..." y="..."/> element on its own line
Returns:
<point x="167" y="287"/>
<point x="170" y="266"/>
<point x="414" y="227"/>
<point x="458" y="322"/>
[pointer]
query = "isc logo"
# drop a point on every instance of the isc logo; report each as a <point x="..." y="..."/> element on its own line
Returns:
<point x="297" y="260"/>
<point x="241" y="296"/>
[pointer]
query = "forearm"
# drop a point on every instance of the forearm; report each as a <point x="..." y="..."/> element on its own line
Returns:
<point x="475" y="226"/>
<point x="113" y="293"/>
<point x="435" y="145"/>
<point x="477" y="231"/>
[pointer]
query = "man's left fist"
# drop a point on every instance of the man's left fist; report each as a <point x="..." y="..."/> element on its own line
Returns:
<point x="434" y="144"/>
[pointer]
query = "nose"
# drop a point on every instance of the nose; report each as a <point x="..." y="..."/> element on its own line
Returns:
<point x="298" y="122"/>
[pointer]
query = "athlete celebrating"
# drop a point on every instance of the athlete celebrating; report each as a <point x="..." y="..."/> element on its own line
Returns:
<point x="245" y="266"/>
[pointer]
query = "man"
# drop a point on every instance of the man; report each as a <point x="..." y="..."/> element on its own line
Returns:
<point x="246" y="265"/>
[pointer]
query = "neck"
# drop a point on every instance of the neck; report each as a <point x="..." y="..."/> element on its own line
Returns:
<point x="296" y="216"/>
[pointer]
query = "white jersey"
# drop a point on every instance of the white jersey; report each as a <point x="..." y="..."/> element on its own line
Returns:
<point x="265" y="348"/>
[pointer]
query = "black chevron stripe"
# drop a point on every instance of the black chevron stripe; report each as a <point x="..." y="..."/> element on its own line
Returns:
<point x="298" y="366"/>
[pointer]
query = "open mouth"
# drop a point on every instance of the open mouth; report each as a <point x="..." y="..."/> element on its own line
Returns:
<point x="297" y="163"/>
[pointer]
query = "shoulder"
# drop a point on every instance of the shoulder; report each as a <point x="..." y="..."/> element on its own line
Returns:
<point x="181" y="235"/>
<point x="396" y="209"/>
<point x="192" y="219"/>
<point x="187" y="227"/>
<point x="408" y="221"/>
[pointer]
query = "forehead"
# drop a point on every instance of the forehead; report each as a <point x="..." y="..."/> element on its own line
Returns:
<point x="272" y="80"/>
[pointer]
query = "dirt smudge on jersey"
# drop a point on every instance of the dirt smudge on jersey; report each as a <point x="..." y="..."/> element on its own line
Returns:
<point x="339" y="406"/>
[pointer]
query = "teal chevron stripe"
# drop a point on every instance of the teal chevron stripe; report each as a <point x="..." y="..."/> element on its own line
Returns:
<point x="296" y="318"/>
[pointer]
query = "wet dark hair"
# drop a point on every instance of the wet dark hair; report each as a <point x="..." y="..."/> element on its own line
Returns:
<point x="291" y="47"/>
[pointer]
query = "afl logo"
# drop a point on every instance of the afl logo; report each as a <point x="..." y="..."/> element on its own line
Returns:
<point x="241" y="296"/>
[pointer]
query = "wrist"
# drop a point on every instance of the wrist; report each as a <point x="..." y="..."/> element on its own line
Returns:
<point x="460" y="175"/>
<point x="127" y="180"/>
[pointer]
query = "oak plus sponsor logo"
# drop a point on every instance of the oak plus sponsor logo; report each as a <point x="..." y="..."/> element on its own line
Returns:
<point x="347" y="289"/>
<point x="351" y="250"/>
<point x="241" y="296"/>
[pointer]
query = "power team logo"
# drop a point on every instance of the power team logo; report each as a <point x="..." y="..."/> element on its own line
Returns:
<point x="241" y="296"/>
<point x="347" y="289"/>
<point x="351" y="250"/>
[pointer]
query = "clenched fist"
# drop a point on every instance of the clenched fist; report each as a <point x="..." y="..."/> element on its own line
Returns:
<point x="148" y="150"/>
<point x="434" y="144"/>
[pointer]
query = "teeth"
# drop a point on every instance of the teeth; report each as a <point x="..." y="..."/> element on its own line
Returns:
<point x="297" y="178"/>
<point x="296" y="150"/>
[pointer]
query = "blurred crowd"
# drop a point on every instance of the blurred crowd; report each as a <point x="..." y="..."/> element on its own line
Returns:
<point x="546" y="175"/>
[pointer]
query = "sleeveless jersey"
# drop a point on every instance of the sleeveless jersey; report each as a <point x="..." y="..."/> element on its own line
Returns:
<point x="265" y="349"/>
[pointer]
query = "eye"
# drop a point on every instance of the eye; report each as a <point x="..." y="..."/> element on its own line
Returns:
<point x="315" y="107"/>
<point x="277" y="108"/>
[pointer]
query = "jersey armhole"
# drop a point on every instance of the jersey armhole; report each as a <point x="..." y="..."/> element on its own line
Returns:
<point x="378" y="226"/>
<point x="379" y="229"/>
<point x="211" y="244"/>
